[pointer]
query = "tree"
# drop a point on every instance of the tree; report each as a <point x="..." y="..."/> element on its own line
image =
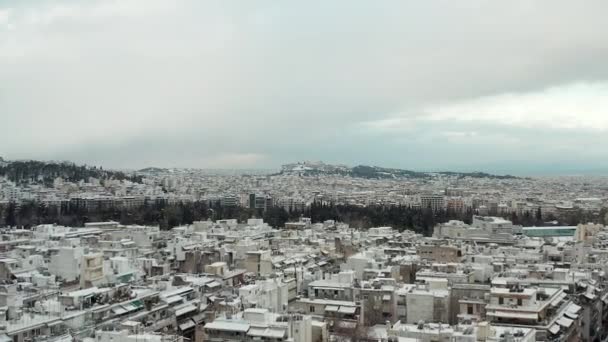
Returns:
<point x="539" y="216"/>
<point x="11" y="217"/>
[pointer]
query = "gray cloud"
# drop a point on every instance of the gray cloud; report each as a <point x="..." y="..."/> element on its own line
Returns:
<point x="231" y="84"/>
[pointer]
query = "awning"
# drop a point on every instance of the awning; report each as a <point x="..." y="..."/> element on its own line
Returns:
<point x="173" y="299"/>
<point x="558" y="299"/>
<point x="129" y="307"/>
<point x="119" y="310"/>
<point x="386" y="298"/>
<point x="271" y="333"/>
<point x="331" y="308"/>
<point x="573" y="308"/>
<point x="508" y="314"/>
<point x="138" y="303"/>
<point x="570" y="315"/>
<point x="564" y="322"/>
<point x="199" y="317"/>
<point x="347" y="324"/>
<point x="100" y="308"/>
<point x="187" y="325"/>
<point x="213" y="284"/>
<point x="554" y="329"/>
<point x="590" y="296"/>
<point x="185" y="309"/>
<point x="256" y="331"/>
<point x="275" y="333"/>
<point x="55" y="323"/>
<point x="349" y="310"/>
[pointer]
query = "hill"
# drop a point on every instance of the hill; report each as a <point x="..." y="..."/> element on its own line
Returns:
<point x="376" y="172"/>
<point x="39" y="172"/>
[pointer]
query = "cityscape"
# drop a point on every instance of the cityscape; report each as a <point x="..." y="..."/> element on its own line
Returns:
<point x="312" y="171"/>
<point x="472" y="275"/>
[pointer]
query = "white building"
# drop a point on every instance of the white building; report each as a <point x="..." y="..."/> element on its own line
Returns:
<point x="66" y="263"/>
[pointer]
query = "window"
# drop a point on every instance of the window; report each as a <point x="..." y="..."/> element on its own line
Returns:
<point x="519" y="301"/>
<point x="312" y="308"/>
<point x="501" y="300"/>
<point x="469" y="310"/>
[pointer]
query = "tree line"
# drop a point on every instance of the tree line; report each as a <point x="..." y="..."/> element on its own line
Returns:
<point x="168" y="215"/>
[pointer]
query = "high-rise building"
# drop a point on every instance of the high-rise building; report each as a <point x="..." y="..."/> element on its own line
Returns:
<point x="433" y="201"/>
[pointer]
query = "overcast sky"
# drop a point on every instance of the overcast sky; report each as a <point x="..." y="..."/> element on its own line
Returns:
<point x="492" y="85"/>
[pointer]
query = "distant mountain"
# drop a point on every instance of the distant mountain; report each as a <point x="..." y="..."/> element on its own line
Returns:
<point x="40" y="172"/>
<point x="364" y="171"/>
<point x="153" y="170"/>
<point x="376" y="172"/>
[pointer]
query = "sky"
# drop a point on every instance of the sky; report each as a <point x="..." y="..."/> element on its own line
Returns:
<point x="503" y="86"/>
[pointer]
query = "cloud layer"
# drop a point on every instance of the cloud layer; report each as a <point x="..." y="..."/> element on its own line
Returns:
<point x="438" y="84"/>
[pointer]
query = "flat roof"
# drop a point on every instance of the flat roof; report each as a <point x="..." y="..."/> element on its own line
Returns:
<point x="225" y="325"/>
